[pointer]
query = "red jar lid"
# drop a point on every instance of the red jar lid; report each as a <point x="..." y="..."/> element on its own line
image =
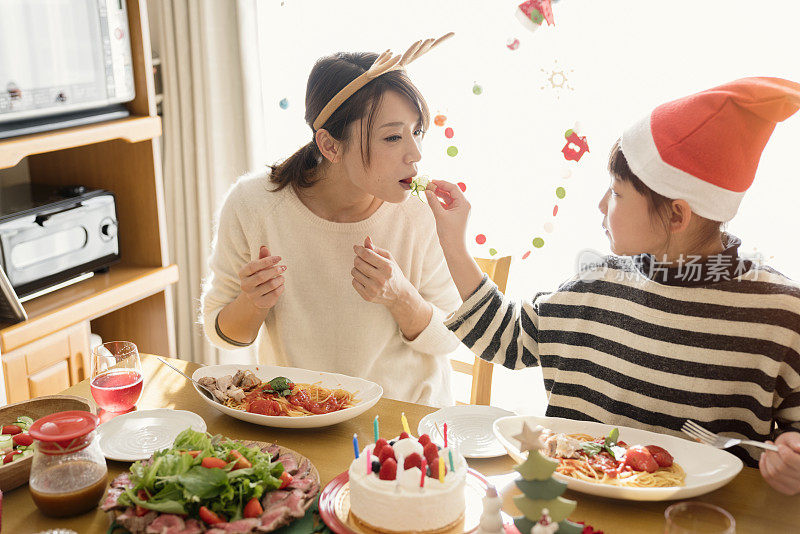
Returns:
<point x="63" y="426"/>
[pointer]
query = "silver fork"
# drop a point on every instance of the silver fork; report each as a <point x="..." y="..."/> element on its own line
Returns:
<point x="702" y="435"/>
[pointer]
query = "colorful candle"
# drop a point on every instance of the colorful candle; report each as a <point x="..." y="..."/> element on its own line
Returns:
<point x="355" y="444"/>
<point x="369" y="462"/>
<point x="441" y="469"/>
<point x="375" y="428"/>
<point x="445" y="435"/>
<point x="405" y="423"/>
<point x="450" y="454"/>
<point x="424" y="468"/>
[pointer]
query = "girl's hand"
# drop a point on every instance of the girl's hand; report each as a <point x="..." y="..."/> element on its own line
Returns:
<point x="376" y="275"/>
<point x="451" y="211"/>
<point x="781" y="469"/>
<point x="261" y="280"/>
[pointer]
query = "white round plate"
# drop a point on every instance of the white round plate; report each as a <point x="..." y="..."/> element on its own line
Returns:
<point x="367" y="394"/>
<point x="137" y="435"/>
<point x="469" y="427"/>
<point x="706" y="468"/>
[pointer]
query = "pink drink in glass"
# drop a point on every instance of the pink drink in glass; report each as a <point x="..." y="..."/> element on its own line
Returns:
<point x="117" y="390"/>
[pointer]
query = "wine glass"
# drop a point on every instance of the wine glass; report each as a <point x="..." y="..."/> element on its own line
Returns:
<point x="116" y="382"/>
<point x="698" y="518"/>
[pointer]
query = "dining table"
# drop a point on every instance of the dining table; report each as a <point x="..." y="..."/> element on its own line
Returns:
<point x="755" y="506"/>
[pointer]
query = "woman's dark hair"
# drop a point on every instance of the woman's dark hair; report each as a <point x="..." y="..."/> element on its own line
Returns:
<point x="659" y="205"/>
<point x="329" y="75"/>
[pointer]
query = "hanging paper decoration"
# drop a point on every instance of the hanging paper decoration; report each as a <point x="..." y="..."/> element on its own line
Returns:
<point x="452" y="151"/>
<point x="449" y="133"/>
<point x="512" y="43"/>
<point x="533" y="12"/>
<point x="480" y="239"/>
<point x="439" y="120"/>
<point x="284" y="103"/>
<point x="462" y="186"/>
<point x="477" y="89"/>
<point x="576" y="146"/>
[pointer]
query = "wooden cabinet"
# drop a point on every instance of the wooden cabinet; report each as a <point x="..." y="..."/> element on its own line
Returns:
<point x="133" y="300"/>
<point x="48" y="365"/>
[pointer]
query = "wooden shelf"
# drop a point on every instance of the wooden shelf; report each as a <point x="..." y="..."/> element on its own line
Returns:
<point x="86" y="300"/>
<point x="131" y="129"/>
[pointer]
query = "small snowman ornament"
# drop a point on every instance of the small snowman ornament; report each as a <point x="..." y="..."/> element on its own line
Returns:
<point x="545" y="525"/>
<point x="491" y="522"/>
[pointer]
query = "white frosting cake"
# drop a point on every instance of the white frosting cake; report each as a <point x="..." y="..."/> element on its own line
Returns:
<point x="401" y="505"/>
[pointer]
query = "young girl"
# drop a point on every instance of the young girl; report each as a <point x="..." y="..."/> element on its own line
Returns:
<point x="677" y="326"/>
<point x="324" y="251"/>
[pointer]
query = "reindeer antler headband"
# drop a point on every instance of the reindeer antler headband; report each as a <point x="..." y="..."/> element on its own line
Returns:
<point x="386" y="62"/>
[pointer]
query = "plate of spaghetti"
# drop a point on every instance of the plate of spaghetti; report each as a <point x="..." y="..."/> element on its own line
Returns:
<point x="286" y="397"/>
<point x="622" y="462"/>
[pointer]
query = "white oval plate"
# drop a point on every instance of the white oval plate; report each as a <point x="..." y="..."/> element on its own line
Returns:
<point x="137" y="435"/>
<point x="707" y="468"/>
<point x="367" y="394"/>
<point x="469" y="427"/>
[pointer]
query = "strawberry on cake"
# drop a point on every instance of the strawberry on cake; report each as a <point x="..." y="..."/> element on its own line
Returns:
<point x="389" y="494"/>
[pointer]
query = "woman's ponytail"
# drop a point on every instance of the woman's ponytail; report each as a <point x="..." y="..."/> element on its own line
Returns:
<point x="297" y="169"/>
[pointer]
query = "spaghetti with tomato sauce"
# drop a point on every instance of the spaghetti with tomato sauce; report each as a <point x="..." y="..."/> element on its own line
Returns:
<point x="639" y="466"/>
<point x="301" y="400"/>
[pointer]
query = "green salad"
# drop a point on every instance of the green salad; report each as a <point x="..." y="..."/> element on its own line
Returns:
<point x="202" y="472"/>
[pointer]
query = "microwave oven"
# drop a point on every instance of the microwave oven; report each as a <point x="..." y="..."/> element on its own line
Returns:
<point x="62" y="63"/>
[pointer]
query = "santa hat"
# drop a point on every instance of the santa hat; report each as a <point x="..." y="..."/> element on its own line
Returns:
<point x="705" y="148"/>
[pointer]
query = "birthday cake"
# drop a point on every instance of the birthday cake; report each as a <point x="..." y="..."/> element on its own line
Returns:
<point x="388" y="492"/>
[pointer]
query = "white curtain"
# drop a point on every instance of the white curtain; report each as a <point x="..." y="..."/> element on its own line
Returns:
<point x="205" y="145"/>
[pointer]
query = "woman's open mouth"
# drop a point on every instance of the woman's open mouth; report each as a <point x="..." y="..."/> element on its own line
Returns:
<point x="406" y="182"/>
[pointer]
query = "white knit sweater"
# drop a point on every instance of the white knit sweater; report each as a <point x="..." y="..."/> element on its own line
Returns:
<point x="320" y="322"/>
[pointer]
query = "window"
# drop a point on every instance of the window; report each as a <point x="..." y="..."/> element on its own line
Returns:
<point x="620" y="58"/>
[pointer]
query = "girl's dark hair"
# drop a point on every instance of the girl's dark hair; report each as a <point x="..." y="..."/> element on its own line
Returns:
<point x="329" y="75"/>
<point x="660" y="206"/>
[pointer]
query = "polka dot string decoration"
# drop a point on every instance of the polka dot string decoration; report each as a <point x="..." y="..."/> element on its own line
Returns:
<point x="284" y="103"/>
<point x="462" y="186"/>
<point x="477" y="89"/>
<point x="492" y="252"/>
<point x="549" y="227"/>
<point x="480" y="239"/>
<point x="449" y="133"/>
<point x="452" y="151"/>
<point x="439" y="120"/>
<point x="512" y="43"/>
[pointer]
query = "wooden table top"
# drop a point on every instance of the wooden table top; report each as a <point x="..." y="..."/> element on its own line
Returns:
<point x="755" y="506"/>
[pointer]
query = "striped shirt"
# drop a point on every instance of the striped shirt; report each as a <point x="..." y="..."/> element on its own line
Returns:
<point x="620" y="348"/>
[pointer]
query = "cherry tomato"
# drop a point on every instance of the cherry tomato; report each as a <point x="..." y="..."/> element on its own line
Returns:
<point x="10" y="456"/>
<point x="640" y="459"/>
<point x="193" y="454"/>
<point x="209" y="517"/>
<point x="286" y="479"/>
<point x="660" y="455"/>
<point x="211" y="462"/>
<point x="241" y="461"/>
<point x="22" y="440"/>
<point x="11" y="429"/>
<point x="253" y="508"/>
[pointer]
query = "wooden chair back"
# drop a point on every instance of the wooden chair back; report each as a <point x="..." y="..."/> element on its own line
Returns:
<point x="481" y="370"/>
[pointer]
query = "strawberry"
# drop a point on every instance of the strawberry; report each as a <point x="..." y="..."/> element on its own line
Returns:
<point x="386" y="453"/>
<point x="381" y="443"/>
<point x="429" y="451"/>
<point x="424" y="439"/>
<point x="388" y="469"/>
<point x="412" y="460"/>
<point x="404" y="435"/>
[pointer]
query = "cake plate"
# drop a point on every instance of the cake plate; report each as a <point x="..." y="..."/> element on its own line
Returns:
<point x="334" y="507"/>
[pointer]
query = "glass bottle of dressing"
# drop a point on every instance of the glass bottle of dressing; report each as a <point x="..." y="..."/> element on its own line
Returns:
<point x="68" y="474"/>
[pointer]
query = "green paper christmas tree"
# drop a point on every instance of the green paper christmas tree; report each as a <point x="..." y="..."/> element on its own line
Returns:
<point x="539" y="489"/>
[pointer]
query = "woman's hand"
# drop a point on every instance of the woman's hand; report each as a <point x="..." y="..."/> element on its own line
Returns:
<point x="261" y="280"/>
<point x="451" y="211"/>
<point x="781" y="469"/>
<point x="376" y="276"/>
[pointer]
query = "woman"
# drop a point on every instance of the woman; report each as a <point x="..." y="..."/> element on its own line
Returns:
<point x="324" y="251"/>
